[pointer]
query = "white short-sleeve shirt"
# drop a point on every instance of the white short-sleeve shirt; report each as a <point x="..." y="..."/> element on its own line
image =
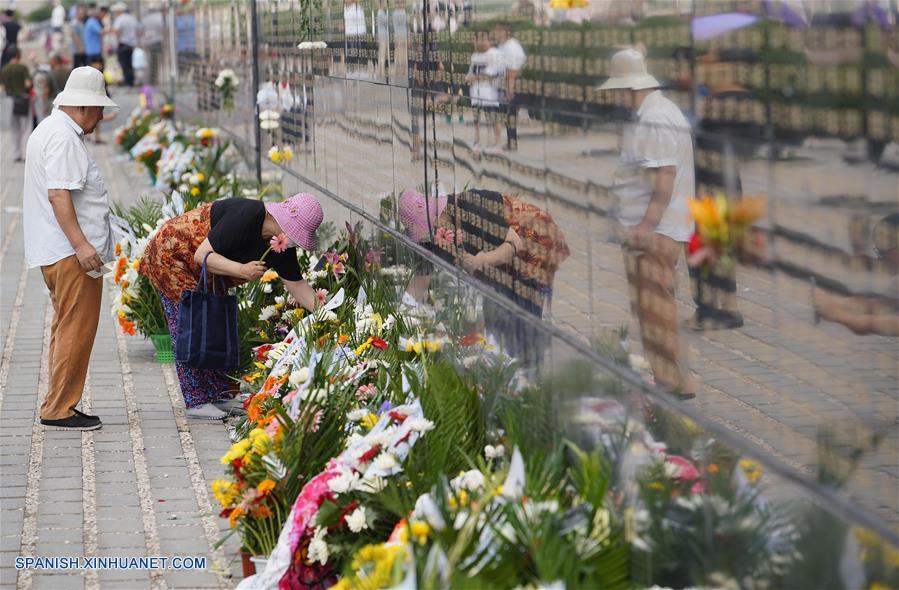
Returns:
<point x="513" y="54"/>
<point x="56" y="158"/>
<point x="660" y="137"/>
<point x="485" y="93"/>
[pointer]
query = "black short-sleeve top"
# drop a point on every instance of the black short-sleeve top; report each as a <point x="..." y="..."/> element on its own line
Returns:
<point x="236" y="234"/>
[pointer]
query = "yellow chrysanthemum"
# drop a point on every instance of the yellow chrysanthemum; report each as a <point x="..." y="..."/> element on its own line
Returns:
<point x="269" y="276"/>
<point x="369" y="421"/>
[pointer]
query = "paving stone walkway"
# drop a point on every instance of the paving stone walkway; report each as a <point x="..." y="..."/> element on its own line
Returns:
<point x="137" y="487"/>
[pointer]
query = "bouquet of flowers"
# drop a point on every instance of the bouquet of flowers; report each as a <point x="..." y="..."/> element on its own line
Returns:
<point x="138" y="308"/>
<point x="227" y="82"/>
<point x="721" y="228"/>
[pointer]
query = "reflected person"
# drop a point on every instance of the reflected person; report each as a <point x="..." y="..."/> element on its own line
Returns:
<point x="511" y="246"/>
<point x="513" y="58"/>
<point x="652" y="184"/>
<point x="869" y="314"/>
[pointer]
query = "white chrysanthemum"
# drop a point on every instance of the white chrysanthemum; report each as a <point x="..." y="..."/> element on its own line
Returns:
<point x="318" y="548"/>
<point x="385" y="462"/>
<point x="344" y="483"/>
<point x="356" y="520"/>
<point x="496" y="452"/>
<point x="299" y="376"/>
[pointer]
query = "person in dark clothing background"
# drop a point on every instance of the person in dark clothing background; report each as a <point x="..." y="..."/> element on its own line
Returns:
<point x="11" y="28"/>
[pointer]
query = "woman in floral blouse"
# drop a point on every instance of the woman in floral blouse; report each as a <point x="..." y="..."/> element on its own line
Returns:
<point x="231" y="236"/>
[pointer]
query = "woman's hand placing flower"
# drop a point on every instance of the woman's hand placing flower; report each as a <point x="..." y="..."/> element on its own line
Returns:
<point x="252" y="270"/>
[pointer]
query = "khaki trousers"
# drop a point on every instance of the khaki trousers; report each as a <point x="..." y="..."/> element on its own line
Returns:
<point x="650" y="276"/>
<point x="76" y="300"/>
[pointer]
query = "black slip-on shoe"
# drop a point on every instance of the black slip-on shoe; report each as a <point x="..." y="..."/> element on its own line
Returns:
<point x="88" y="416"/>
<point x="77" y="422"/>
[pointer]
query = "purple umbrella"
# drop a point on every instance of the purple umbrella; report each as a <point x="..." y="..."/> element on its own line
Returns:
<point x="784" y="13"/>
<point x="707" y="27"/>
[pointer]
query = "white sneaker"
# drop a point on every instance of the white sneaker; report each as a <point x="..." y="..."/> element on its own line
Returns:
<point x="206" y="412"/>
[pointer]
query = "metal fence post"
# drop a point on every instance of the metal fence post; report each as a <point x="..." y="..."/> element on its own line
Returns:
<point x="173" y="51"/>
<point x="257" y="132"/>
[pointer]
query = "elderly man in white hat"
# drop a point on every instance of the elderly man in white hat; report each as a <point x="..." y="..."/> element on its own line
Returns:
<point x="652" y="185"/>
<point x="67" y="235"/>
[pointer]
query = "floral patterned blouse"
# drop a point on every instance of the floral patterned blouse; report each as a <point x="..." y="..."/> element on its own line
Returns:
<point x="168" y="260"/>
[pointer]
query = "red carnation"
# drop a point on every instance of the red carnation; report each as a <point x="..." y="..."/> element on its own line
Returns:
<point x="694" y="244"/>
<point x="370" y="454"/>
<point x="379" y="343"/>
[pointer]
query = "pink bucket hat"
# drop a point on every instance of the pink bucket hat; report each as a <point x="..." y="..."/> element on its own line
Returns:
<point x="299" y="217"/>
<point x="415" y="211"/>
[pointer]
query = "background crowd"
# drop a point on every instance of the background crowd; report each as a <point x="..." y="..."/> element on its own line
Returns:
<point x="108" y="38"/>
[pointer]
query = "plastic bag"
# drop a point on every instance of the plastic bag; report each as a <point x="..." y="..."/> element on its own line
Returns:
<point x="138" y="59"/>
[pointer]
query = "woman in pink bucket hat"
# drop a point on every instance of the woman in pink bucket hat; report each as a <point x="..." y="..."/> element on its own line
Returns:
<point x="234" y="237"/>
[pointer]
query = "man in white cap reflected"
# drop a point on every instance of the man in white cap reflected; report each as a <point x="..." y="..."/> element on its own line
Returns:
<point x="68" y="235"/>
<point x="652" y="185"/>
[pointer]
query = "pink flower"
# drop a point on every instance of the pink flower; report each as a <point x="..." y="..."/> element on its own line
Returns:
<point x="331" y="257"/>
<point x="316" y="420"/>
<point x="321" y="296"/>
<point x="288" y="398"/>
<point x="307" y="503"/>
<point x="372" y="259"/>
<point x="686" y="470"/>
<point x="279" y="243"/>
<point x="338" y="269"/>
<point x="366" y="392"/>
<point x="271" y="429"/>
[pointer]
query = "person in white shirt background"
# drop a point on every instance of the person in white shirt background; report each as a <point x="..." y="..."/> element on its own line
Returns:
<point x="652" y="184"/>
<point x="514" y="58"/>
<point x="57" y="22"/>
<point x="67" y="235"/>
<point x="485" y="75"/>
<point x="126" y="29"/>
<point x="354" y="31"/>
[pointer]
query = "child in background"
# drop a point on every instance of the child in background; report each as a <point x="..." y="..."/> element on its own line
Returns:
<point x="484" y="76"/>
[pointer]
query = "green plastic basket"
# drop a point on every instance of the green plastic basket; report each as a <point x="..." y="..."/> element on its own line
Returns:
<point x="163" y="345"/>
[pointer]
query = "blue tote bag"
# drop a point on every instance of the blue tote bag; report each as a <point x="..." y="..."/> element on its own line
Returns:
<point x="207" y="328"/>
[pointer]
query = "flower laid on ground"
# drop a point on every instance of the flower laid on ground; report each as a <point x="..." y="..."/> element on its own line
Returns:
<point x="227" y="82"/>
<point x="206" y="135"/>
<point x="280" y="154"/>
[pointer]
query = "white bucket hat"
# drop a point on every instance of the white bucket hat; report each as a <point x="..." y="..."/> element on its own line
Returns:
<point x="119" y="7"/>
<point x="629" y="72"/>
<point x="85" y="88"/>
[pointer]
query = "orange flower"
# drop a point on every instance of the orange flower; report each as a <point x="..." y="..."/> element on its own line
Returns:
<point x="748" y="211"/>
<point x="120" y="268"/>
<point x="254" y="411"/>
<point x="342" y="339"/>
<point x="127" y="327"/>
<point x="235" y="514"/>
<point x="266" y="486"/>
<point x="712" y="468"/>
<point x="118" y="249"/>
<point x="261" y="512"/>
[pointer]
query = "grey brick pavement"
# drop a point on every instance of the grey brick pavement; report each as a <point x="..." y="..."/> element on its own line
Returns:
<point x="88" y="493"/>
